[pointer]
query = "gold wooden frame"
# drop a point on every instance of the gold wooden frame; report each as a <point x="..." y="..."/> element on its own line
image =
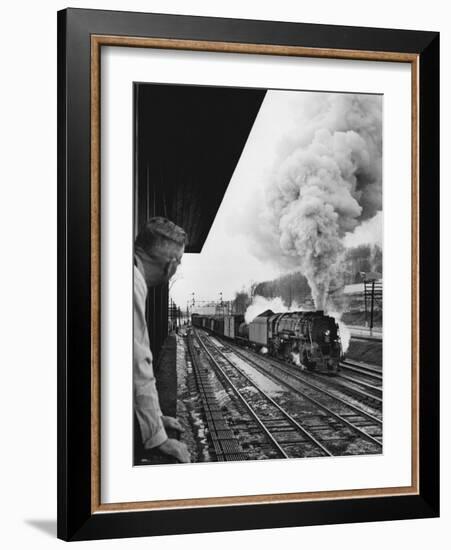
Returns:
<point x="97" y="41"/>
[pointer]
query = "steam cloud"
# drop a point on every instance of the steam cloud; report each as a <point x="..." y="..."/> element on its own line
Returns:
<point x="326" y="182"/>
<point x="345" y="333"/>
<point x="260" y="304"/>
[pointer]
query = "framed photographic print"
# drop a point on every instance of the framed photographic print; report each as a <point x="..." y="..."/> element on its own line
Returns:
<point x="248" y="274"/>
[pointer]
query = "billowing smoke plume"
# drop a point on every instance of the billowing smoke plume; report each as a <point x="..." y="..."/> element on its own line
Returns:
<point x="260" y="304"/>
<point x="368" y="232"/>
<point x="326" y="182"/>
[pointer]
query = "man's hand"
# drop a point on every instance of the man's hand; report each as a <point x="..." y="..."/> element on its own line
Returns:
<point x="175" y="448"/>
<point x="172" y="423"/>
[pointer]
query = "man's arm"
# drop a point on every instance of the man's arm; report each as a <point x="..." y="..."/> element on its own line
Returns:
<point x="147" y="408"/>
<point x="149" y="415"/>
<point x="145" y="395"/>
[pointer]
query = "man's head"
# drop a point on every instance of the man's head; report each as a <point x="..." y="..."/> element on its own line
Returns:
<point x="160" y="245"/>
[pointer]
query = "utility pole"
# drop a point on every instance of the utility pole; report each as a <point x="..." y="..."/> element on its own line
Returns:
<point x="372" y="295"/>
<point x="291" y="290"/>
<point x="221" y="303"/>
<point x="372" y="306"/>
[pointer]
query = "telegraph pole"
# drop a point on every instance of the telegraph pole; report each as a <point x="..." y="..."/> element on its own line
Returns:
<point x="372" y="306"/>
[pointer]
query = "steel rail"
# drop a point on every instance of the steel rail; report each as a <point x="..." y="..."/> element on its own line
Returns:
<point x="362" y="369"/>
<point x="244" y="402"/>
<point x="377" y="389"/>
<point x="254" y="414"/>
<point x="317" y="403"/>
<point x="223" y="452"/>
<point x="288" y="369"/>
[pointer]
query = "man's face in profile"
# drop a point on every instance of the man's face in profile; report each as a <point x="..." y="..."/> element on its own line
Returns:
<point x="174" y="263"/>
<point x="162" y="264"/>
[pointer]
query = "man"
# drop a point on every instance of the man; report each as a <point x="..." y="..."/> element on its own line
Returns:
<point x="159" y="249"/>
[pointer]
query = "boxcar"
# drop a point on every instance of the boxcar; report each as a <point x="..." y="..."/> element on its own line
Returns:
<point x="218" y="325"/>
<point x="231" y="324"/>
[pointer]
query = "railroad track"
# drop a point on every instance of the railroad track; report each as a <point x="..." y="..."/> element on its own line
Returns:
<point x="370" y="371"/>
<point x="343" y="416"/>
<point x="225" y="445"/>
<point x="363" y="379"/>
<point x="362" y="392"/>
<point x="372" y="424"/>
<point x="284" y="433"/>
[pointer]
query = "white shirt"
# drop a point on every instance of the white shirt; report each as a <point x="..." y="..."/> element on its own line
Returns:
<point x="145" y="395"/>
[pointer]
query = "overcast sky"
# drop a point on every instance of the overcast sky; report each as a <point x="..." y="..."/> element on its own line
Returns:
<point x="226" y="263"/>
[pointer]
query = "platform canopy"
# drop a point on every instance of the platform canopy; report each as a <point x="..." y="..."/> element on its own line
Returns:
<point x="189" y="140"/>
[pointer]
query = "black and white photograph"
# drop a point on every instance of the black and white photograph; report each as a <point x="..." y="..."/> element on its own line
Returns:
<point x="257" y="274"/>
<point x="224" y="296"/>
<point x="248" y="274"/>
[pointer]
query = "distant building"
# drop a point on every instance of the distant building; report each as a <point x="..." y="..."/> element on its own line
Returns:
<point x="204" y="310"/>
<point x="352" y="297"/>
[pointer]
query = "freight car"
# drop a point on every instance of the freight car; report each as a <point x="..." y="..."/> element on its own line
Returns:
<point x="309" y="339"/>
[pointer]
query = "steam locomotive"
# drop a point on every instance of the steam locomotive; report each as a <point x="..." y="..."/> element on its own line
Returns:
<point x="309" y="339"/>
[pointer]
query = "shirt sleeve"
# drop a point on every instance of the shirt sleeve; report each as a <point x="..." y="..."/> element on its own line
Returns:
<point x="145" y="395"/>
